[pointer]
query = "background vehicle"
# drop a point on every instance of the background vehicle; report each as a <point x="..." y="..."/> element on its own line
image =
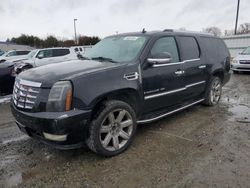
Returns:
<point x="14" y="54"/>
<point x="126" y="79"/>
<point x="1" y="52"/>
<point x="241" y="62"/>
<point x="81" y="49"/>
<point x="7" y="73"/>
<point x="46" y="56"/>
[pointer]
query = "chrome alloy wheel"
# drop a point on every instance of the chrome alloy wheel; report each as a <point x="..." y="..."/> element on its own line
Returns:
<point x="215" y="92"/>
<point x="116" y="129"/>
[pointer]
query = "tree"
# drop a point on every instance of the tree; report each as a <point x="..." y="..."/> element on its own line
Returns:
<point x="68" y="43"/>
<point x="85" y="40"/>
<point x="213" y="30"/>
<point x="229" y="32"/>
<point x="244" y="28"/>
<point x="50" y="41"/>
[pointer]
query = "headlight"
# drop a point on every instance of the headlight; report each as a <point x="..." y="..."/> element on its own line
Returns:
<point x="60" y="97"/>
<point x="234" y="61"/>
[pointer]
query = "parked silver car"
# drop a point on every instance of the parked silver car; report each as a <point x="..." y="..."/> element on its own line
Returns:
<point x="14" y="55"/>
<point x="242" y="61"/>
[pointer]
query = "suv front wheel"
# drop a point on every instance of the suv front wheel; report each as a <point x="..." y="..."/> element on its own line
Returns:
<point x="213" y="91"/>
<point x="113" y="129"/>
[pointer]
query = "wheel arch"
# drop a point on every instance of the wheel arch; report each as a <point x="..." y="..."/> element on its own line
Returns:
<point x="219" y="73"/>
<point x="128" y="95"/>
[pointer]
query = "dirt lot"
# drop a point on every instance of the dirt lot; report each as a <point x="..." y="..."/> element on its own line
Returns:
<point x="198" y="147"/>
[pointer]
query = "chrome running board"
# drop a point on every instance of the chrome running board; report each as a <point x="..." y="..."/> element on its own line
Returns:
<point x="168" y="113"/>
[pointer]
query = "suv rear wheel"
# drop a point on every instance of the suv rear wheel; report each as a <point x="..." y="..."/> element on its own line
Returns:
<point x="213" y="92"/>
<point x="113" y="129"/>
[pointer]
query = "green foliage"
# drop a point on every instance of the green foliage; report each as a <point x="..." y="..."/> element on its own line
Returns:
<point x="85" y="40"/>
<point x="52" y="41"/>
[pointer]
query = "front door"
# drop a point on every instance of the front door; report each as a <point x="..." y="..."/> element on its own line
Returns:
<point x="163" y="83"/>
<point x="44" y="57"/>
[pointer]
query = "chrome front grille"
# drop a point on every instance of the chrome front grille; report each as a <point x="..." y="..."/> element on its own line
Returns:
<point x="25" y="93"/>
<point x="245" y="62"/>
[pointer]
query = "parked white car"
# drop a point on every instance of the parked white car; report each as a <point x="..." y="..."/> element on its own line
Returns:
<point x="81" y="49"/>
<point x="46" y="56"/>
<point x="241" y="62"/>
<point x="14" y="55"/>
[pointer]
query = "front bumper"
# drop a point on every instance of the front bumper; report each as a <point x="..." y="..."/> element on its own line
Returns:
<point x="240" y="67"/>
<point x="62" y="130"/>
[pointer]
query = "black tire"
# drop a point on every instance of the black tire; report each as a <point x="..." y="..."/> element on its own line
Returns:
<point x="210" y="91"/>
<point x="94" y="140"/>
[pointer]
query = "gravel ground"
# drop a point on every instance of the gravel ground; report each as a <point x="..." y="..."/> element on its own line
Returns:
<point x="199" y="147"/>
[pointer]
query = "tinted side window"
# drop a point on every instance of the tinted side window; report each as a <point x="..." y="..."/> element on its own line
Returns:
<point x="166" y="44"/>
<point x="60" y="52"/>
<point x="189" y="48"/>
<point x="22" y="52"/>
<point x="12" y="53"/>
<point x="45" y="53"/>
<point x="215" y="49"/>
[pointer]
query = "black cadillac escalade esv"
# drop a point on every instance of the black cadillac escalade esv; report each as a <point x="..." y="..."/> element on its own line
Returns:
<point x="124" y="80"/>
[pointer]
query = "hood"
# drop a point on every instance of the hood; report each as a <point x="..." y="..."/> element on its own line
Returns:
<point x="14" y="58"/>
<point x="242" y="57"/>
<point x="7" y="64"/>
<point x="49" y="74"/>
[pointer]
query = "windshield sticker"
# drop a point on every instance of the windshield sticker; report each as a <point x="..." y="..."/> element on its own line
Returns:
<point x="130" y="38"/>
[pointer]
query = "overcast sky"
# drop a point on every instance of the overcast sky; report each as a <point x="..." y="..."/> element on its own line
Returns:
<point x="105" y="17"/>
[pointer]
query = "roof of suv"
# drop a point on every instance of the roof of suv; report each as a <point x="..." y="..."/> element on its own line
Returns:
<point x="167" y="31"/>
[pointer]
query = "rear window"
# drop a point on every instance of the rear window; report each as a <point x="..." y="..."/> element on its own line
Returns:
<point x="214" y="48"/>
<point x="22" y="52"/>
<point x="60" y="52"/>
<point x="189" y="48"/>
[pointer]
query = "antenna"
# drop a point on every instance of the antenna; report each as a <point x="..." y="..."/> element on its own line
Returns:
<point x="143" y="30"/>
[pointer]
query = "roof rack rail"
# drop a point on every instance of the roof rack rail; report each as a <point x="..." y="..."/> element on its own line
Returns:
<point x="168" y="30"/>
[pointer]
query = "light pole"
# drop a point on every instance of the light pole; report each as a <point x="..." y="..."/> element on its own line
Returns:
<point x="75" y="29"/>
<point x="237" y="15"/>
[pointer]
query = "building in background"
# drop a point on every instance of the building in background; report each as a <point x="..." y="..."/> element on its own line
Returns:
<point x="6" y="46"/>
<point x="237" y="43"/>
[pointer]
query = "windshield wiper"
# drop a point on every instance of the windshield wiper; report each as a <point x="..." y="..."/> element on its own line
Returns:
<point x="100" y="58"/>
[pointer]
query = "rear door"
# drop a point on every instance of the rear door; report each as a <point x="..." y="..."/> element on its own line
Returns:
<point x="163" y="84"/>
<point x="193" y="65"/>
<point x="60" y="55"/>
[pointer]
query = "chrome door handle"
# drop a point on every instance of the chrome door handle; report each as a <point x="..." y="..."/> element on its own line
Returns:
<point x="179" y="72"/>
<point x="202" y="66"/>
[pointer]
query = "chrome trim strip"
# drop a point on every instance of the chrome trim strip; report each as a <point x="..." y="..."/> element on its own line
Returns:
<point x="169" y="113"/>
<point x="163" y="93"/>
<point x="30" y="83"/>
<point x="191" y="60"/>
<point x="194" y="84"/>
<point x="173" y="91"/>
<point x="176" y="63"/>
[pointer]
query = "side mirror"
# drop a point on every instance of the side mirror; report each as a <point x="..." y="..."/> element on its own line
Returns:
<point x="161" y="58"/>
<point x="40" y="56"/>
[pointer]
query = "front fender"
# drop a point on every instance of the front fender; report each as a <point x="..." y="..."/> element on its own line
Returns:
<point x="91" y="88"/>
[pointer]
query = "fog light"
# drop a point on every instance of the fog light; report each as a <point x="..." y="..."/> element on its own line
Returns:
<point x="55" y="137"/>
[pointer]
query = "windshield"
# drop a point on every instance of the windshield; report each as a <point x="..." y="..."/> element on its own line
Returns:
<point x="246" y="51"/>
<point x="117" y="48"/>
<point x="31" y="54"/>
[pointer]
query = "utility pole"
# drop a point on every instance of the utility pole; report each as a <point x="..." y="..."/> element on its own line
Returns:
<point x="75" y="30"/>
<point x="237" y="15"/>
